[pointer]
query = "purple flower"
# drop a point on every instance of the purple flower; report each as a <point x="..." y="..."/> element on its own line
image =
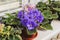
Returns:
<point x="31" y="25"/>
<point x="31" y="18"/>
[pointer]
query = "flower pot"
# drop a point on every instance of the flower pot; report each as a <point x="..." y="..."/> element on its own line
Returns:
<point x="30" y="37"/>
<point x="25" y="36"/>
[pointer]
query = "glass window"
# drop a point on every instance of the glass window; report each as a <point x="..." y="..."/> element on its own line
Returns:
<point x="6" y="1"/>
<point x="6" y="5"/>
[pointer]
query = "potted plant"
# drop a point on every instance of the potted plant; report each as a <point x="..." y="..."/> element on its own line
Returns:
<point x="50" y="11"/>
<point x="26" y="21"/>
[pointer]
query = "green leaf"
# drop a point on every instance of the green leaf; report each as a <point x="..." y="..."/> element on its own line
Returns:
<point x="56" y="3"/>
<point x="3" y="39"/>
<point x="10" y="37"/>
<point x="8" y="14"/>
<point x="45" y="21"/>
<point x="17" y="37"/>
<point x="46" y="26"/>
<point x="41" y="4"/>
<point x="57" y="9"/>
<point x="54" y="16"/>
<point x="47" y="14"/>
<point x="49" y="1"/>
<point x="11" y="20"/>
<point x="30" y="32"/>
<point x="18" y="31"/>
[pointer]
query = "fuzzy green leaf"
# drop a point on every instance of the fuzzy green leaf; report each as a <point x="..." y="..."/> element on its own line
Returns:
<point x="11" y="20"/>
<point x="46" y="26"/>
<point x="54" y="16"/>
<point x="41" y="4"/>
<point x="49" y="1"/>
<point x="18" y="31"/>
<point x="47" y="14"/>
<point x="56" y="3"/>
<point x="45" y="21"/>
<point x="17" y="37"/>
<point x="3" y="39"/>
<point x="30" y="32"/>
<point x="10" y="37"/>
<point x="57" y="9"/>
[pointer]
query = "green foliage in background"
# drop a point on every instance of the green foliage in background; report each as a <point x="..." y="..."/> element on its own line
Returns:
<point x="11" y="19"/>
<point x="9" y="33"/>
<point x="50" y="11"/>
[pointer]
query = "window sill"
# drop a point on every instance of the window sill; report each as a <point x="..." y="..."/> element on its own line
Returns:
<point x="10" y="11"/>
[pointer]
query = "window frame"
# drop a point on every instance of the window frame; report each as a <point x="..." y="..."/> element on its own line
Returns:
<point x="15" y="6"/>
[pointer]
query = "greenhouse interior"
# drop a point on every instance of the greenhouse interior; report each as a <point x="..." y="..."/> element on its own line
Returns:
<point x="29" y="19"/>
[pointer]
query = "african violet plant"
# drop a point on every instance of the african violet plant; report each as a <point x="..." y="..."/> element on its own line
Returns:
<point x="29" y="19"/>
<point x="50" y="11"/>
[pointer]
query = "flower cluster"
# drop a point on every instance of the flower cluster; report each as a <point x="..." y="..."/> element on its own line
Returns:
<point x="31" y="18"/>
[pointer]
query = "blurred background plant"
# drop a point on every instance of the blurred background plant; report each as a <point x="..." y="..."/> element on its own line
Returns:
<point x="50" y="11"/>
<point x="9" y="33"/>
